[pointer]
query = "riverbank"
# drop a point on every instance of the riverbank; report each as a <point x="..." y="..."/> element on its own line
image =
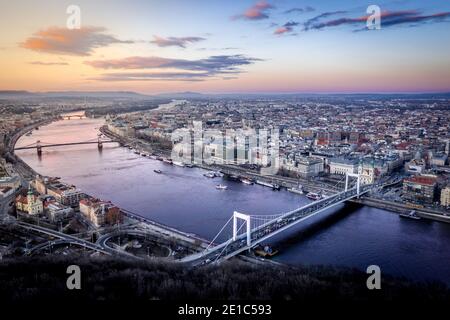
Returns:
<point x="308" y="186"/>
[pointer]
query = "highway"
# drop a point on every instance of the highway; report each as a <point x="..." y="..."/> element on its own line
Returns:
<point x="67" y="238"/>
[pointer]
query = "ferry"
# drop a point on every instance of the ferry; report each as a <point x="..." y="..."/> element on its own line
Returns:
<point x="267" y="184"/>
<point x="157" y="171"/>
<point x="314" y="196"/>
<point x="297" y="190"/>
<point x="411" y="215"/>
<point x="178" y="163"/>
<point x="246" y="181"/>
<point x="167" y="160"/>
<point x="221" y="187"/>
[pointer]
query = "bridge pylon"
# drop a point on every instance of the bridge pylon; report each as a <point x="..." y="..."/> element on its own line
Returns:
<point x="246" y="218"/>
<point x="358" y="181"/>
<point x="99" y="144"/>
<point x="39" y="147"/>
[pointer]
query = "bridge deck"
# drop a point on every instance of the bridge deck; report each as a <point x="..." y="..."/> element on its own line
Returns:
<point x="231" y="248"/>
<point x="65" y="144"/>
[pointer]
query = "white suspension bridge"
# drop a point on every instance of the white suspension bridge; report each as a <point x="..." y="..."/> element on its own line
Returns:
<point x="259" y="228"/>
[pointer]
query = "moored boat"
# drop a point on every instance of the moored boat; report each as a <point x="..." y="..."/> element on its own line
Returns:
<point x="178" y="163"/>
<point x="221" y="187"/>
<point x="411" y="215"/>
<point x="246" y="181"/>
<point x="314" y="196"/>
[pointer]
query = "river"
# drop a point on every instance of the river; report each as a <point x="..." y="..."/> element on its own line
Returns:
<point x="349" y="235"/>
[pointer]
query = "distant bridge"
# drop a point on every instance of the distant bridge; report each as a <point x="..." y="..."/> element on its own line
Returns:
<point x="39" y="145"/>
<point x="76" y="116"/>
<point x="259" y="228"/>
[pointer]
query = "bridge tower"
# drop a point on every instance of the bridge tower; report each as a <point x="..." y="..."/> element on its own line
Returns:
<point x="246" y="218"/>
<point x="358" y="181"/>
<point x="39" y="147"/>
<point x="99" y="144"/>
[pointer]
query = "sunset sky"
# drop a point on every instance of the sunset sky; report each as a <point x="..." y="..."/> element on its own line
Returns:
<point x="225" y="46"/>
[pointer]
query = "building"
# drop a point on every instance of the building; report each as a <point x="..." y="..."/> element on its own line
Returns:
<point x="421" y="188"/>
<point x="67" y="195"/>
<point x="438" y="160"/>
<point x="343" y="166"/>
<point x="11" y="182"/>
<point x="57" y="211"/>
<point x="100" y="212"/>
<point x="445" y="196"/>
<point x="6" y="192"/>
<point x="30" y="204"/>
<point x="305" y="167"/>
<point x="415" y="166"/>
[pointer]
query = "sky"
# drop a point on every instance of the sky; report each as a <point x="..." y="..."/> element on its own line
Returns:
<point x="234" y="46"/>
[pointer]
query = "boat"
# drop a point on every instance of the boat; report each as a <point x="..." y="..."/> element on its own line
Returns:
<point x="136" y="152"/>
<point x="411" y="215"/>
<point x="189" y="165"/>
<point x="157" y="171"/>
<point x="246" y="181"/>
<point x="221" y="187"/>
<point x="265" y="252"/>
<point x="297" y="190"/>
<point x="218" y="174"/>
<point x="130" y="147"/>
<point x="209" y="175"/>
<point x="314" y="196"/>
<point x="267" y="184"/>
<point x="143" y="154"/>
<point x="178" y="163"/>
<point x="167" y="160"/>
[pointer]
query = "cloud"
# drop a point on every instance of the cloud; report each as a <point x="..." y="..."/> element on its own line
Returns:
<point x="388" y="19"/>
<point x="307" y="25"/>
<point x="78" y="42"/>
<point x="175" y="41"/>
<point x="286" y="28"/>
<point x="40" y="63"/>
<point x="300" y="10"/>
<point x="258" y="11"/>
<point x="185" y="70"/>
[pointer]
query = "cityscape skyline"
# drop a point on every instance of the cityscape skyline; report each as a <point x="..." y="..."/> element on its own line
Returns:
<point x="214" y="47"/>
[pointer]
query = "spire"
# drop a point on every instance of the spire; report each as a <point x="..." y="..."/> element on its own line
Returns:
<point x="30" y="191"/>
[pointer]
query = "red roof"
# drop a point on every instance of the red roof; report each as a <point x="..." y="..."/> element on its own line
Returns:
<point x="422" y="180"/>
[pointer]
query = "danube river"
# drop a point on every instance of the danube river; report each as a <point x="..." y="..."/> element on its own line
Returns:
<point x="350" y="235"/>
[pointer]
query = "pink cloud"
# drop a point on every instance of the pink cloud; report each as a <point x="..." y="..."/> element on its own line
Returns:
<point x="256" y="12"/>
